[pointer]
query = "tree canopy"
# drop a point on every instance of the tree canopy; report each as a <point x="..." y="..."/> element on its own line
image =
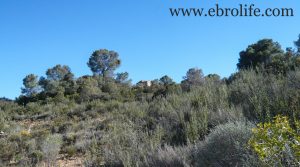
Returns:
<point x="166" y="80"/>
<point x="260" y="53"/>
<point x="59" y="80"/>
<point x="31" y="86"/>
<point x="103" y="62"/>
<point x="59" y="72"/>
<point x="123" y="78"/>
<point x="194" y="77"/>
<point x="297" y="43"/>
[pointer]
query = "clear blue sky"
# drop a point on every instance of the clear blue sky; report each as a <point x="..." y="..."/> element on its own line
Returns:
<point x="38" y="34"/>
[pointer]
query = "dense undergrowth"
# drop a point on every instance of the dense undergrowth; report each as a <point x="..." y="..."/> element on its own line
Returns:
<point x="203" y="121"/>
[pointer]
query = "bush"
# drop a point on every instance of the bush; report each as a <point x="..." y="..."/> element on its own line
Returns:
<point x="36" y="157"/>
<point x="51" y="147"/>
<point x="169" y="157"/>
<point x="258" y="94"/>
<point x="33" y="108"/>
<point x="3" y="120"/>
<point x="277" y="143"/>
<point x="71" y="151"/>
<point x="9" y="152"/>
<point x="226" y="145"/>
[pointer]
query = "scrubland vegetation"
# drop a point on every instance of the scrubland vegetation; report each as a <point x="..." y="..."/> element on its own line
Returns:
<point x="249" y="119"/>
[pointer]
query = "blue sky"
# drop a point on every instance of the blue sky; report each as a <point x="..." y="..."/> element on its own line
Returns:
<point x="36" y="35"/>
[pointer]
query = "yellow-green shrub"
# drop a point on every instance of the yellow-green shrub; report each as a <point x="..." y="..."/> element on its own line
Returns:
<point x="277" y="143"/>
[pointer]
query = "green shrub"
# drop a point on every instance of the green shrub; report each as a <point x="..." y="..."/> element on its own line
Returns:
<point x="33" y="108"/>
<point x="71" y="151"/>
<point x="10" y="150"/>
<point x="256" y="93"/>
<point x="3" y="121"/>
<point x="36" y="157"/>
<point x="169" y="157"/>
<point x="226" y="145"/>
<point x="277" y="143"/>
<point x="51" y="147"/>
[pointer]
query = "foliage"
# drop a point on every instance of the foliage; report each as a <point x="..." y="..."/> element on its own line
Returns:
<point x="202" y="121"/>
<point x="277" y="143"/>
<point x="259" y="53"/>
<point x="31" y="86"/>
<point x="123" y="78"/>
<point x="297" y="43"/>
<point x="59" y="80"/>
<point x="51" y="147"/>
<point x="268" y="55"/>
<point x="225" y="146"/>
<point x="166" y="80"/>
<point x="194" y="77"/>
<point x="103" y="62"/>
<point x="169" y="156"/>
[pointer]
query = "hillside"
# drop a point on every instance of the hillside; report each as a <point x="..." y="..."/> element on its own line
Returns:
<point x="248" y="119"/>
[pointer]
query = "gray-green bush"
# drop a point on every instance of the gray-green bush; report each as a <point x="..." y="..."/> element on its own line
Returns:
<point x="226" y="145"/>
